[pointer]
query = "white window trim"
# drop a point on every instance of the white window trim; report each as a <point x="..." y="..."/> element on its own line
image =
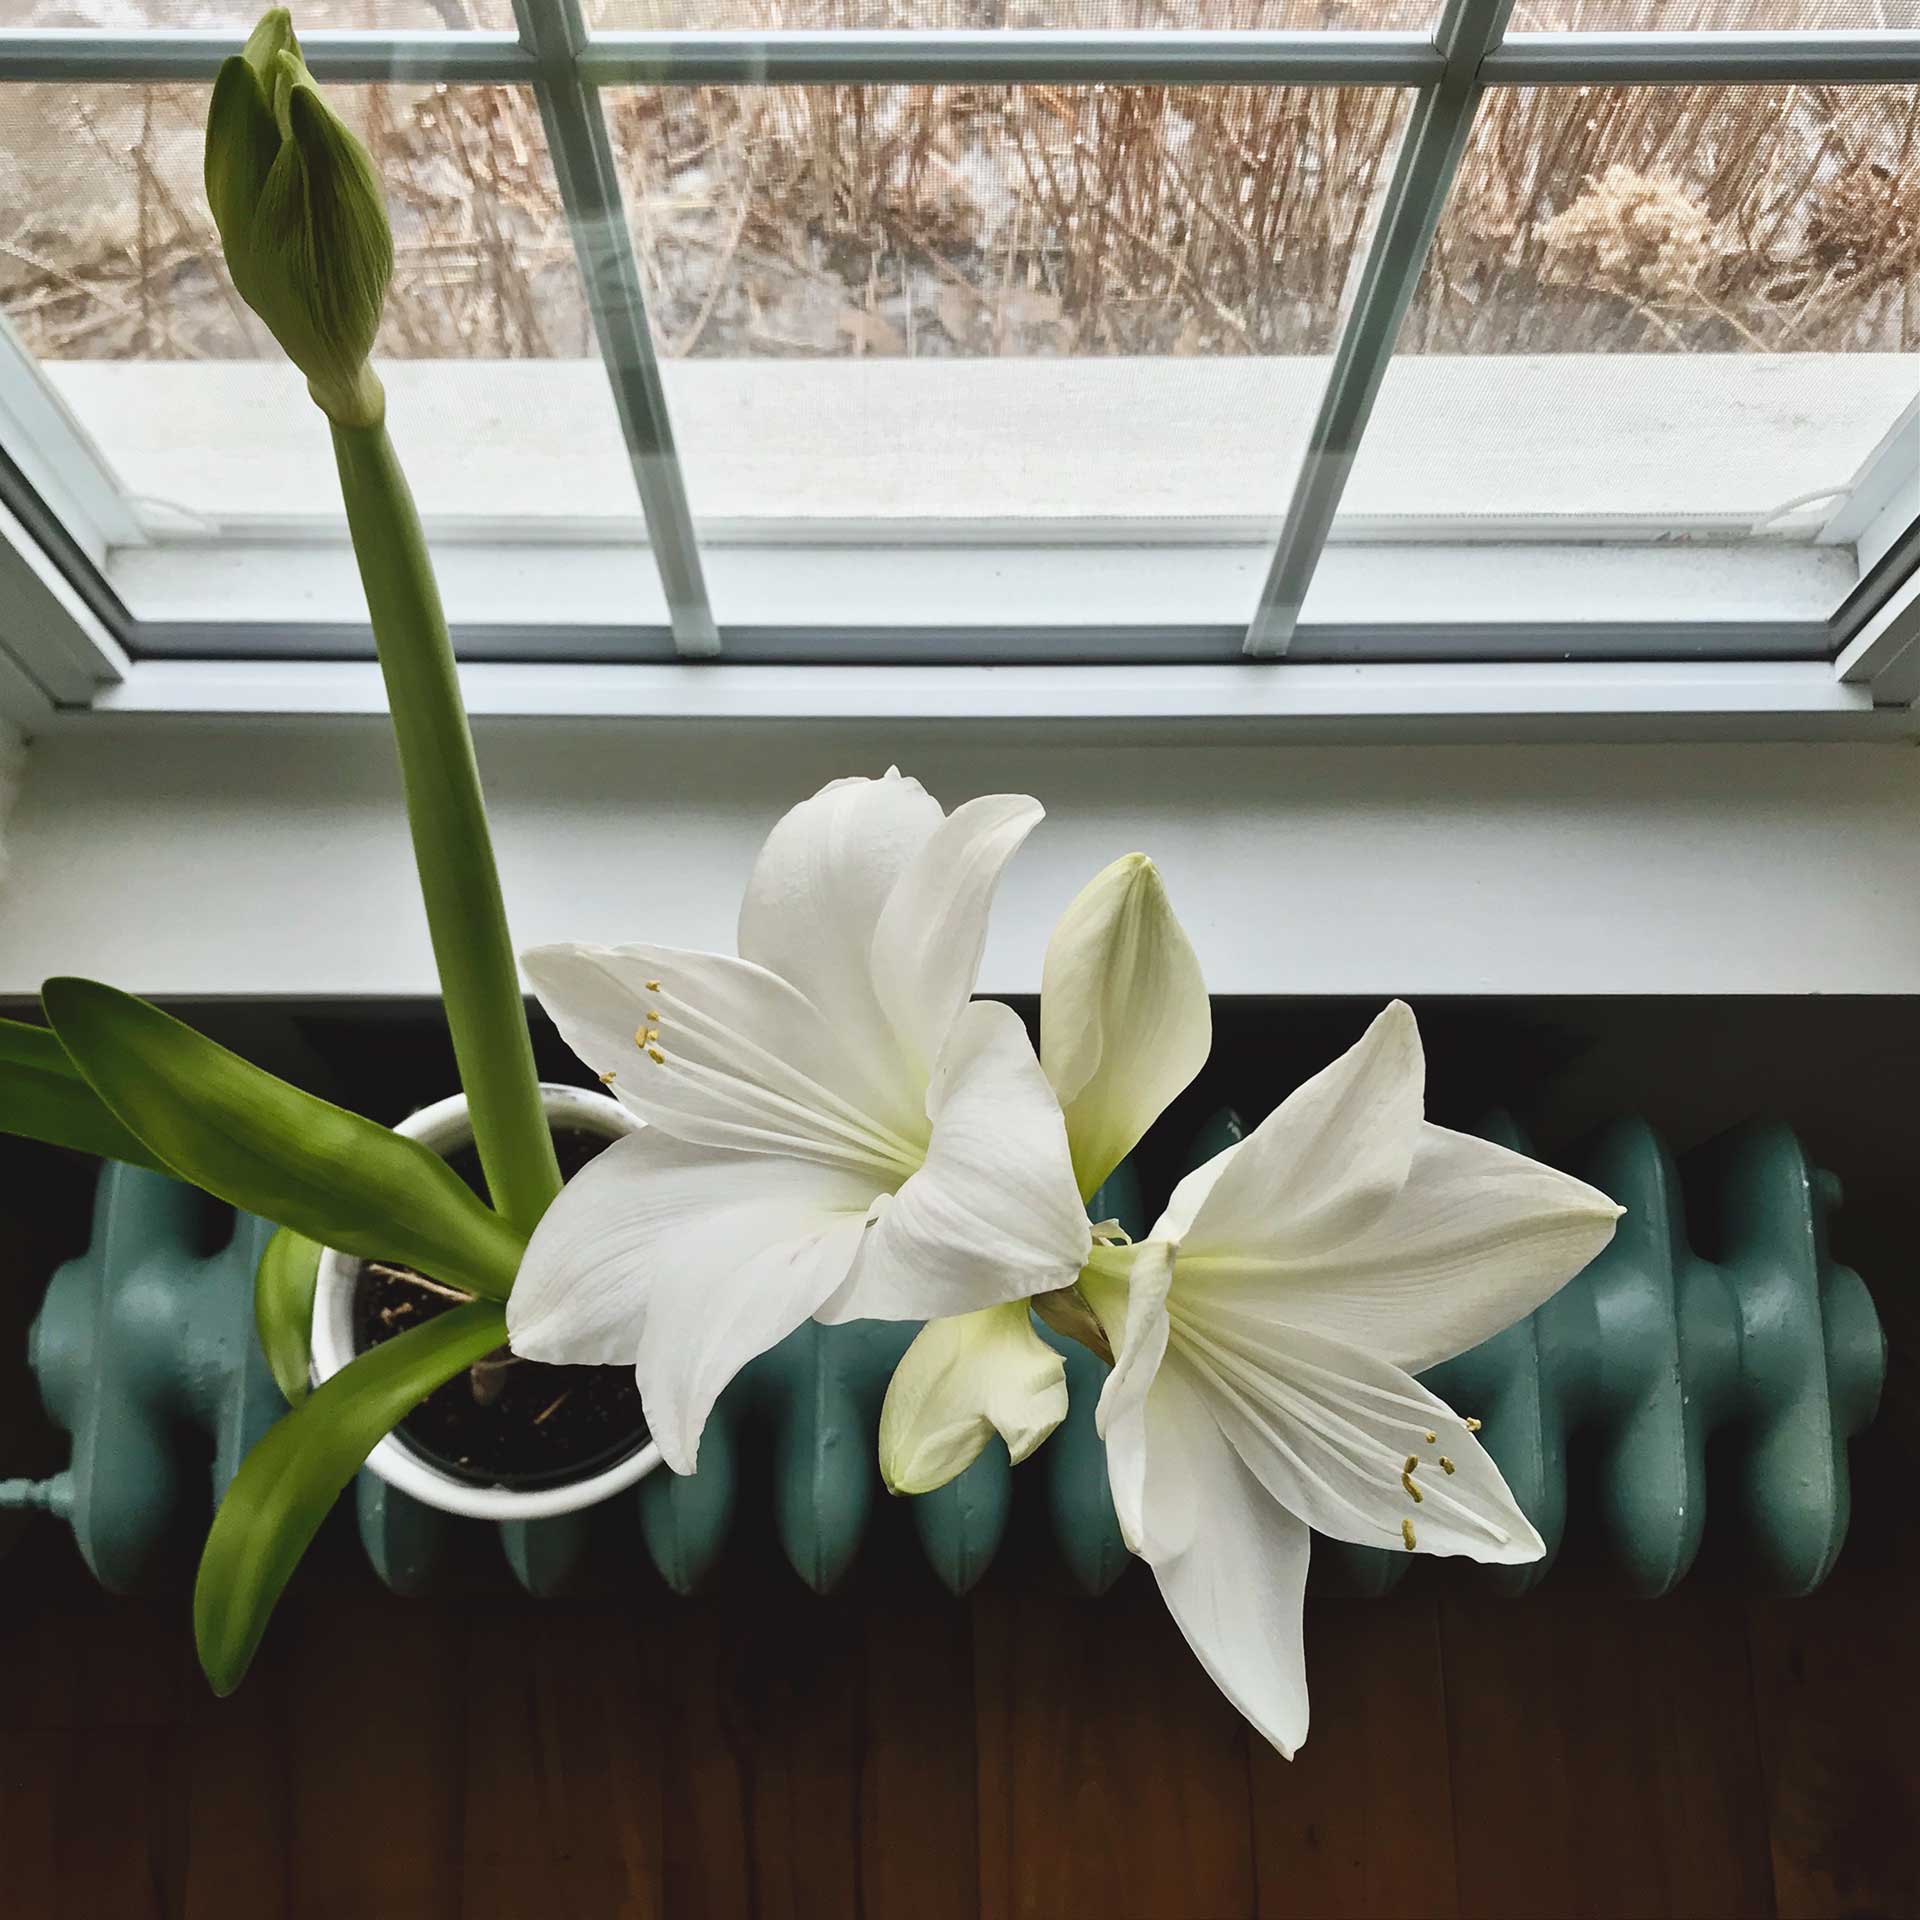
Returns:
<point x="58" y="658"/>
<point x="1634" y="700"/>
<point x="281" y="581"/>
<point x="1623" y="526"/>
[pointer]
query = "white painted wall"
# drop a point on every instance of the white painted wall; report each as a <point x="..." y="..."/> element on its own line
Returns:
<point x="271" y="858"/>
<point x="13" y="774"/>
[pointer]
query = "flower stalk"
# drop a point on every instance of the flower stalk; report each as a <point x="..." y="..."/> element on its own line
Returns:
<point x="459" y="881"/>
<point x="304" y="229"/>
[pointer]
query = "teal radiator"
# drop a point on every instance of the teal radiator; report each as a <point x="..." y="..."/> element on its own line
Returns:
<point x="1769" y="1348"/>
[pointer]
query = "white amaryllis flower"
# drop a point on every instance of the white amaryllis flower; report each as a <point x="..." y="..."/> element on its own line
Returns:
<point x="1266" y="1334"/>
<point x="835" y="1129"/>
<point x="1125" y="1024"/>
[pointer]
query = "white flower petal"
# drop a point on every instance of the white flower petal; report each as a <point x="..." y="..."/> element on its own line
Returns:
<point x="993" y="1214"/>
<point x="1323" y="1166"/>
<point x="1125" y="1022"/>
<point x="687" y="1262"/>
<point x="1127" y="1290"/>
<point x="1476" y="1239"/>
<point x="818" y="888"/>
<point x="746" y="1060"/>
<point x="1237" y="1589"/>
<point x="964" y="1379"/>
<point x="1190" y="1194"/>
<point x="1327" y="1431"/>
<point x="927" y="945"/>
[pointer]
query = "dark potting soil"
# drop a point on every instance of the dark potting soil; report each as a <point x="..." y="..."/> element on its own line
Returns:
<point x="506" y="1422"/>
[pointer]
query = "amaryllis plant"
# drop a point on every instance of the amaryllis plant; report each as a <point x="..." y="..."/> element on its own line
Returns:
<point x="831" y="1127"/>
<point x="306" y="238"/>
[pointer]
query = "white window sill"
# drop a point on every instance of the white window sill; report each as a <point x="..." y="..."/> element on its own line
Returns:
<point x="894" y="494"/>
<point x="1661" y="438"/>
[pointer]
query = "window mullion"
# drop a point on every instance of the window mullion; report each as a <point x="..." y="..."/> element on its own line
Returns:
<point x="1666" y="57"/>
<point x="1430" y="153"/>
<point x="161" y="55"/>
<point x="998" y="56"/>
<point x="590" y="189"/>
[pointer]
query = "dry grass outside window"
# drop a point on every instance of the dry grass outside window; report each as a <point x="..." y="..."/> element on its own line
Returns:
<point x="975" y="221"/>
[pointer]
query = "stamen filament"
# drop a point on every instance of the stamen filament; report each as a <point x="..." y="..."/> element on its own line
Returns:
<point x="1319" y="1420"/>
<point x="863" y="1147"/>
<point x="822" y="1106"/>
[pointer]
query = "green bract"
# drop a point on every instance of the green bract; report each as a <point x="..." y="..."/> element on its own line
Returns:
<point x="301" y="218"/>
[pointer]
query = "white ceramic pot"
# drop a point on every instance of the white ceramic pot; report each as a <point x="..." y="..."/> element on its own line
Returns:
<point x="444" y="1127"/>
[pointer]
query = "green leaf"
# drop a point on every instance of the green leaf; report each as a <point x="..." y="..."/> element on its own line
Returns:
<point x="261" y="1145"/>
<point x="44" y="1097"/>
<point x="287" y="1485"/>
<point x="283" y="1287"/>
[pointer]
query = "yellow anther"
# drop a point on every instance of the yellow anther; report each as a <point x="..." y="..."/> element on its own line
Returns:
<point x="653" y="1013"/>
<point x="1431" y="1438"/>
<point x="1446" y="1465"/>
<point x="1406" y="1534"/>
<point x="606" y="1079"/>
<point x="658" y="1058"/>
<point x="653" y="986"/>
<point x="1413" y="1492"/>
<point x="1473" y="1425"/>
<point x="1412" y="1461"/>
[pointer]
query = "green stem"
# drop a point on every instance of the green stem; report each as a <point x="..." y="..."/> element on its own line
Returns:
<point x="459" y="883"/>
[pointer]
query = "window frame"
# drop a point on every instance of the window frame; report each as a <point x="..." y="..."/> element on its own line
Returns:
<point x="73" y="646"/>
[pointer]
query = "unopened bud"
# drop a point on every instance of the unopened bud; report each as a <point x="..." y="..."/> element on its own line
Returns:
<point x="301" y="218"/>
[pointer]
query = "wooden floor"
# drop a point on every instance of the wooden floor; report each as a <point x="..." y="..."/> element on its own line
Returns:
<point x="893" y="1752"/>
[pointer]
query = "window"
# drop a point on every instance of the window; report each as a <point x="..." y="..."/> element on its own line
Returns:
<point x="1038" y="332"/>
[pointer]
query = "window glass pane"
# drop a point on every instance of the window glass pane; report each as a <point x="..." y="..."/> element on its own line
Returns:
<point x="1712" y="16"/>
<point x="117" y="299"/>
<point x="1272" y="15"/>
<point x="365" y="16"/>
<point x="1663" y="313"/>
<point x="985" y="320"/>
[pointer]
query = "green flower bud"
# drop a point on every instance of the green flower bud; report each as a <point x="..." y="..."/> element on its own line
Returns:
<point x="301" y="218"/>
